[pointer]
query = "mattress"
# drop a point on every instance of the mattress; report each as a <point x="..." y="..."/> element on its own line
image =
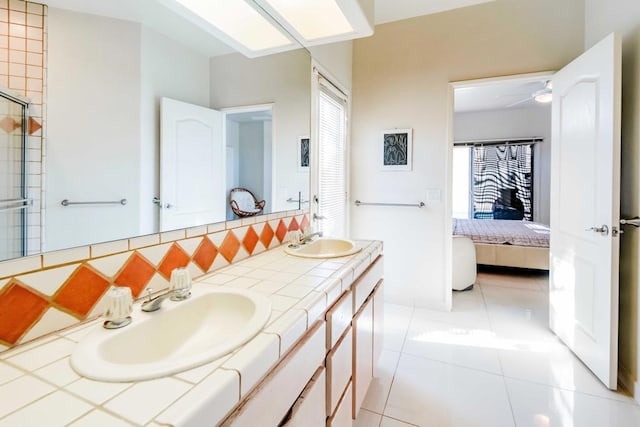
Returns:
<point x="503" y="232"/>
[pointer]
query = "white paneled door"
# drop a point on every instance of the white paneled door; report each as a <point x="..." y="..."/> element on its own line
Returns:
<point x="585" y="200"/>
<point x="192" y="166"/>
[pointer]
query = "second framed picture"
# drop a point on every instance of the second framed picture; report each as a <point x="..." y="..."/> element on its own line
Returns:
<point x="396" y="147"/>
<point x="303" y="154"/>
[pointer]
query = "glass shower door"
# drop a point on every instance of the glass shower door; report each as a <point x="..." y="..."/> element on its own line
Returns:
<point x="14" y="201"/>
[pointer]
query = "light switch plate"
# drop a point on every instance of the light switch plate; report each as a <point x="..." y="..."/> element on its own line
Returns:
<point x="434" y="194"/>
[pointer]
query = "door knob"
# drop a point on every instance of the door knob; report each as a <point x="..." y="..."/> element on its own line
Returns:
<point x="604" y="230"/>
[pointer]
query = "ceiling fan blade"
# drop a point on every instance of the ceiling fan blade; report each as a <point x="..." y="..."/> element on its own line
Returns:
<point x="522" y="101"/>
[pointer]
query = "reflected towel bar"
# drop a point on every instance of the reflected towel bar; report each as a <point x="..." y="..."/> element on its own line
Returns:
<point x="412" y="205"/>
<point x="25" y="204"/>
<point x="122" y="202"/>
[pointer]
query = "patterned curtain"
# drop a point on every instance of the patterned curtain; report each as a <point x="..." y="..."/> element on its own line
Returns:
<point x="503" y="181"/>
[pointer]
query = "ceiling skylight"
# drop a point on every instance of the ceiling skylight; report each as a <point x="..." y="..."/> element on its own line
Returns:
<point x="240" y="22"/>
<point x="313" y="19"/>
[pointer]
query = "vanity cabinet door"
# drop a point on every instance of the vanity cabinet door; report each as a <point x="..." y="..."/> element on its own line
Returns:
<point x="339" y="361"/>
<point x="310" y="410"/>
<point x="378" y="324"/>
<point x="342" y="416"/>
<point x="362" y="353"/>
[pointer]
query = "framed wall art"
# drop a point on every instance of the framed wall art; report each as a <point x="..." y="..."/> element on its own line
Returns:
<point x="303" y="154"/>
<point x="396" y="146"/>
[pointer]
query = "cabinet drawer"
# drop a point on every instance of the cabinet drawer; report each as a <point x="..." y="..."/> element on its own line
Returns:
<point x="310" y="408"/>
<point x="338" y="319"/>
<point x="339" y="362"/>
<point x="268" y="404"/>
<point x="342" y="416"/>
<point x="363" y="286"/>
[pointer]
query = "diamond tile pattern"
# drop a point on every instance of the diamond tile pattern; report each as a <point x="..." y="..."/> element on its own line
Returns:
<point x="81" y="292"/>
<point x="281" y="231"/>
<point x="19" y="309"/>
<point x="267" y="235"/>
<point x="23" y="309"/>
<point x="34" y="126"/>
<point x="205" y="254"/>
<point x="304" y="224"/>
<point x="250" y="241"/>
<point x="230" y="246"/>
<point x="176" y="257"/>
<point x="136" y="274"/>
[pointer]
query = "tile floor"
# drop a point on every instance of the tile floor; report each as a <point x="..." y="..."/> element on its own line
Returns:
<point x="491" y="361"/>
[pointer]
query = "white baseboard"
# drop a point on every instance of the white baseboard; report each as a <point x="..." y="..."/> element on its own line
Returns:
<point x="626" y="380"/>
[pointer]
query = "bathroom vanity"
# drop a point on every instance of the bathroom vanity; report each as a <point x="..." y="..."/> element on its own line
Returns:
<point x="311" y="365"/>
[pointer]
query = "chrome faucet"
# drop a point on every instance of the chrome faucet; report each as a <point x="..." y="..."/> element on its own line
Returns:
<point x="153" y="304"/>
<point x="308" y="237"/>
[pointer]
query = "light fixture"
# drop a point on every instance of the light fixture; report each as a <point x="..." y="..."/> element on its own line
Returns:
<point x="262" y="27"/>
<point x="544" y="96"/>
<point x="313" y="19"/>
<point x="314" y="22"/>
<point x="237" y="23"/>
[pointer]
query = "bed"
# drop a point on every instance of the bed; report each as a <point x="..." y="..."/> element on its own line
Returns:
<point x="507" y="243"/>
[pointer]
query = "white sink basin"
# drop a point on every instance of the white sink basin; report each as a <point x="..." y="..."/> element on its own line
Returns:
<point x="324" y="248"/>
<point x="179" y="336"/>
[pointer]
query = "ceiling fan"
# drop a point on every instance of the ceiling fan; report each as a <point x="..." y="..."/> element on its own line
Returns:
<point x="543" y="95"/>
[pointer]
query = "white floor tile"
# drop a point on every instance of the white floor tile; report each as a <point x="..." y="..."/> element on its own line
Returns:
<point x="555" y="366"/>
<point x="430" y="393"/>
<point x="396" y="324"/>
<point x="390" y="422"/>
<point x="367" y="419"/>
<point x="471" y="347"/>
<point x="378" y="392"/>
<point x="539" y="405"/>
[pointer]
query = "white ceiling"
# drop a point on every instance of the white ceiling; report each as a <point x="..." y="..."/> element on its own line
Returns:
<point x="396" y="10"/>
<point x="498" y="96"/>
<point x="159" y="17"/>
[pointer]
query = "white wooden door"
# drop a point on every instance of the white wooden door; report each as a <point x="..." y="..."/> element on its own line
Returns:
<point x="192" y="165"/>
<point x="585" y="200"/>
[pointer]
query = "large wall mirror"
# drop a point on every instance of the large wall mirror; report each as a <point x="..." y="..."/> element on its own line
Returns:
<point x="108" y="66"/>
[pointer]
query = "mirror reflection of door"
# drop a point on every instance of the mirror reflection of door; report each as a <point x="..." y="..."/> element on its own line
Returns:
<point x="249" y="145"/>
<point x="192" y="165"/>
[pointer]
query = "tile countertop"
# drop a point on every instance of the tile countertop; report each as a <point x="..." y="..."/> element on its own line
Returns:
<point x="38" y="386"/>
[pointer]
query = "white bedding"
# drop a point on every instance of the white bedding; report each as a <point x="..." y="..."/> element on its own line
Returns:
<point x="503" y="232"/>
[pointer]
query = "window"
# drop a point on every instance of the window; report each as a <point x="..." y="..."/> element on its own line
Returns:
<point x="332" y="158"/>
<point x="499" y="180"/>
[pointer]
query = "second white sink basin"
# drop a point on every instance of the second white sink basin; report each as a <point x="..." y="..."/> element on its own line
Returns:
<point x="325" y="248"/>
<point x="179" y="336"/>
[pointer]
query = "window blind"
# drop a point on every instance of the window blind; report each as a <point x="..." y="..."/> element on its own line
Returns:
<point x="332" y="161"/>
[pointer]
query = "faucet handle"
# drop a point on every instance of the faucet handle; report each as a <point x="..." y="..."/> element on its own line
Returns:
<point x="148" y="291"/>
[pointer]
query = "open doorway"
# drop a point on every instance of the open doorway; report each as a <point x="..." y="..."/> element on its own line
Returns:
<point x="249" y="147"/>
<point x="501" y="171"/>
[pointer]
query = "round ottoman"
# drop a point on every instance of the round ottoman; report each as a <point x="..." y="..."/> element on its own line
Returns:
<point x="463" y="263"/>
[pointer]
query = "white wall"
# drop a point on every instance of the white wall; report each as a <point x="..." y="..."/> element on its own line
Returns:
<point x="233" y="161"/>
<point x="601" y="18"/>
<point x="515" y="123"/>
<point x="168" y="69"/>
<point x="285" y="80"/>
<point x="401" y="79"/>
<point x="251" y="142"/>
<point x="93" y="117"/>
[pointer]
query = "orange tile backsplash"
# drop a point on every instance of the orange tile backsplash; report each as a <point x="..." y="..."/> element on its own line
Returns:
<point x="20" y="308"/>
<point x="136" y="274"/>
<point x="81" y="289"/>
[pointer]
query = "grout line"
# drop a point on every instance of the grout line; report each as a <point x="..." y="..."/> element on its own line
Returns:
<point x="393" y="378"/>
